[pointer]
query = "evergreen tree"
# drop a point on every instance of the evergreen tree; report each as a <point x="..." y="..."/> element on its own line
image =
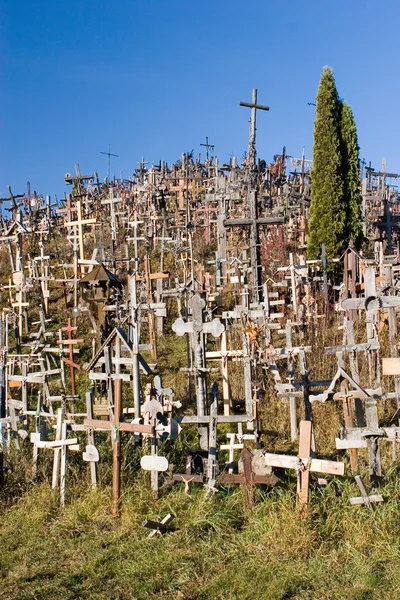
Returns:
<point x="351" y="175"/>
<point x="327" y="209"/>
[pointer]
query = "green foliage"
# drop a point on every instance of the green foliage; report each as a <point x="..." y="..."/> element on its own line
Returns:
<point x="351" y="175"/>
<point x="218" y="548"/>
<point x="327" y="209"/>
<point x="335" y="210"/>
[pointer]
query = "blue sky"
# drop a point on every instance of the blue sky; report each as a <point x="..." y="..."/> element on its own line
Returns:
<point x="153" y="78"/>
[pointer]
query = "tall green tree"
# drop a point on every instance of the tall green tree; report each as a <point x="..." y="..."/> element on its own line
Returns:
<point x="327" y="209"/>
<point x="351" y="175"/>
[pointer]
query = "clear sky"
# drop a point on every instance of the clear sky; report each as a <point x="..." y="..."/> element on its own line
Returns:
<point x="153" y="78"/>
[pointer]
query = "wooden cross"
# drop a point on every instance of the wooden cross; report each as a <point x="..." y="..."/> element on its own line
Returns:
<point x="116" y="427"/>
<point x="231" y="447"/>
<point x="158" y="528"/>
<point x="68" y="209"/>
<point x="365" y="498"/>
<point x="59" y="446"/>
<point x="249" y="477"/>
<point x="80" y="222"/>
<point x="303" y="463"/>
<point x="21" y="305"/>
<point x="198" y="328"/>
<point x="251" y="156"/>
<point x="182" y="185"/>
<point x="70" y="342"/>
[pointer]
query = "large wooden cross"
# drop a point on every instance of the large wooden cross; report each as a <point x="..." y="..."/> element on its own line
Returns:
<point x="198" y="328"/>
<point x="303" y="463"/>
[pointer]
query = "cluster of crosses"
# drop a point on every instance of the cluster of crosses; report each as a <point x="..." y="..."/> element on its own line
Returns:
<point x="214" y="254"/>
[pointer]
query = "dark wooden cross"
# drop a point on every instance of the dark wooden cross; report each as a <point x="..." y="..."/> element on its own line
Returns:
<point x="252" y="139"/>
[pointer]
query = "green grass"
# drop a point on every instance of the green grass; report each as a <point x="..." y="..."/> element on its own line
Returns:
<point x="219" y="548"/>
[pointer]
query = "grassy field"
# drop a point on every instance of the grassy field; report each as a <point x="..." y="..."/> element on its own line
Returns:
<point x="219" y="548"/>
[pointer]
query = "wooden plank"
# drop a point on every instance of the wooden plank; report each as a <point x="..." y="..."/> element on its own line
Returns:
<point x="132" y="427"/>
<point x="361" y="500"/>
<point x="303" y="476"/>
<point x="391" y="366"/>
<point x="316" y="465"/>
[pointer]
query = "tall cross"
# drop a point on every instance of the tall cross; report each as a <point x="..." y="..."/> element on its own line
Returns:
<point x="252" y="140"/>
<point x="208" y="147"/>
<point x="109" y="154"/>
<point x="11" y="199"/>
<point x="78" y="178"/>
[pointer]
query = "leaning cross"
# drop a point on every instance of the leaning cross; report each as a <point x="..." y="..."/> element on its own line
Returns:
<point x="365" y="498"/>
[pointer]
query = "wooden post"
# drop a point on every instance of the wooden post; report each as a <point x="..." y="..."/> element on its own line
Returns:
<point x="89" y="412"/>
<point x="57" y="451"/>
<point x="303" y="475"/>
<point x="116" y="475"/>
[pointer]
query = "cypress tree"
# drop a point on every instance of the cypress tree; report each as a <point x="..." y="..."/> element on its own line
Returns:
<point x="351" y="176"/>
<point x="327" y="209"/>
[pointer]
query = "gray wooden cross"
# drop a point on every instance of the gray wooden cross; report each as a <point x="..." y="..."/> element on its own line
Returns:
<point x="365" y="498"/>
<point x="252" y="139"/>
<point x="198" y="328"/>
<point x="303" y="463"/>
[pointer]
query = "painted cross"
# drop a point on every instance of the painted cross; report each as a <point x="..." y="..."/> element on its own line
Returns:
<point x="70" y="342"/>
